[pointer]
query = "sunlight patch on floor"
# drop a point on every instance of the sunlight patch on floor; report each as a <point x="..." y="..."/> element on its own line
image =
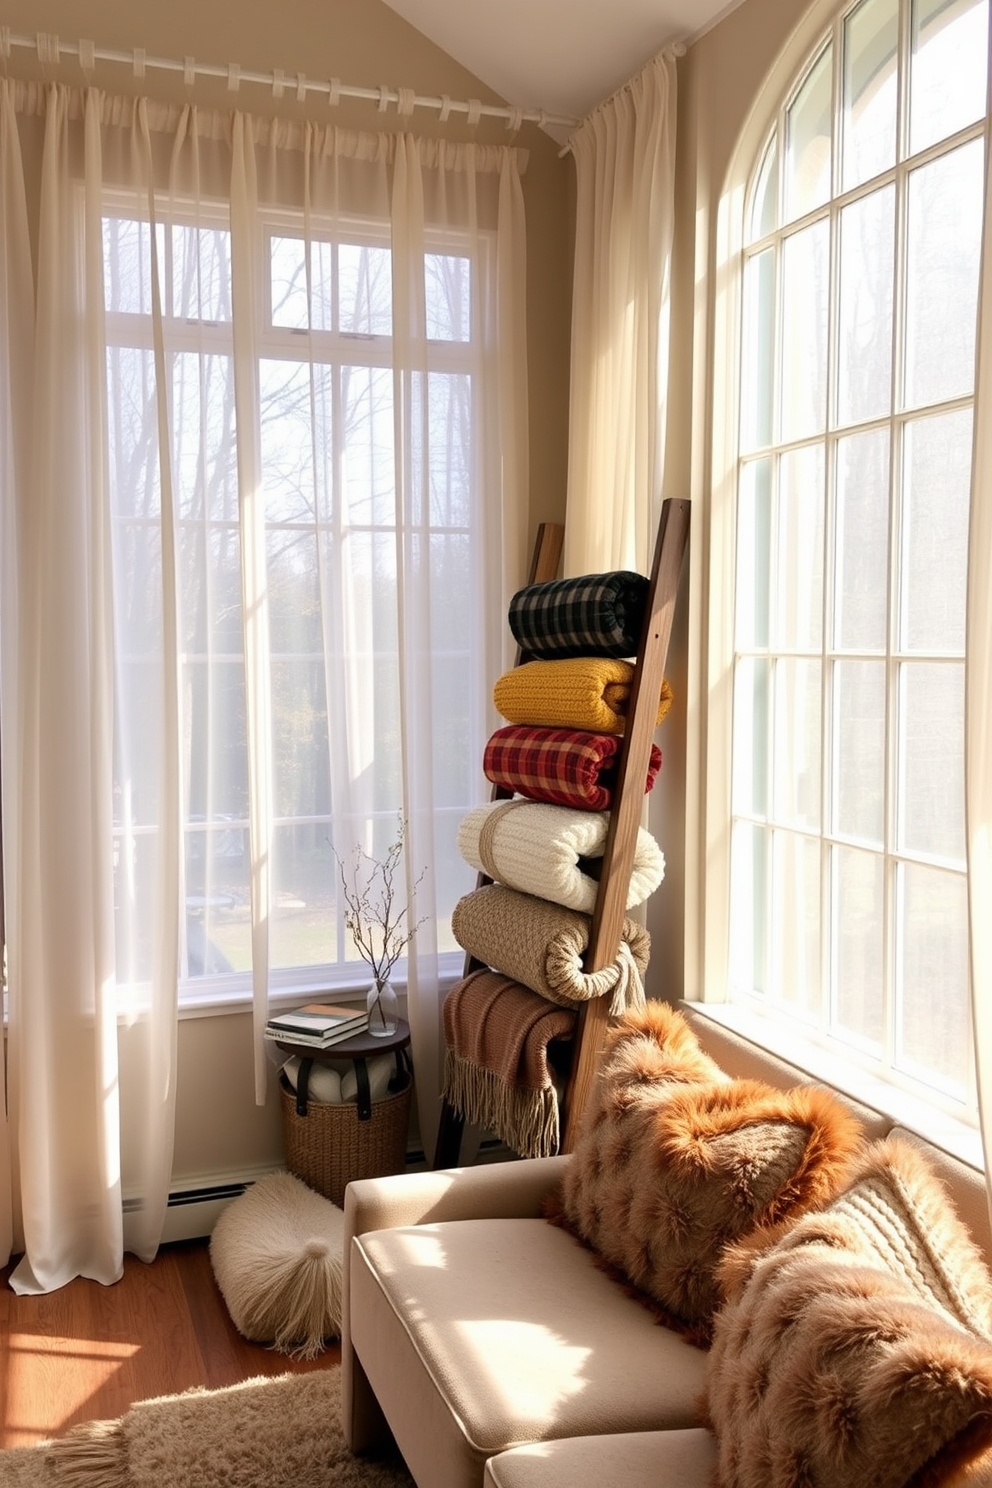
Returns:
<point x="41" y="1368"/>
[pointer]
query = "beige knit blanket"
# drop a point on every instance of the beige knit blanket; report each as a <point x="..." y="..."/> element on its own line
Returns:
<point x="552" y="852"/>
<point x="496" y="1071"/>
<point x="541" y="945"/>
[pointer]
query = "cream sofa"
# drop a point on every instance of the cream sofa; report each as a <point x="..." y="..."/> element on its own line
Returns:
<point x="496" y="1350"/>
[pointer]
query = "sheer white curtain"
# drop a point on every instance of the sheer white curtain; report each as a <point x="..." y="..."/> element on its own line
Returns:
<point x="978" y="697"/>
<point x="228" y="526"/>
<point x="16" y="380"/>
<point x="429" y="188"/>
<point x="57" y="621"/>
<point x="625" y="174"/>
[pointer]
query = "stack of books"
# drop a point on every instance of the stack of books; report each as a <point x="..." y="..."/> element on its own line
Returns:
<point x="319" y="1025"/>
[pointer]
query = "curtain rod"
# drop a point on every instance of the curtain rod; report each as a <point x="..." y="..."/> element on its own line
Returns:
<point x="50" y="51"/>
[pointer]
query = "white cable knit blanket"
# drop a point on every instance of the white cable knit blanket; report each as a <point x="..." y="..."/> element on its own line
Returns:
<point x="540" y="849"/>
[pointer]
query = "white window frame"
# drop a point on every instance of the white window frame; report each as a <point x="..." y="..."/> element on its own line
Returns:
<point x="711" y="641"/>
<point x="232" y="991"/>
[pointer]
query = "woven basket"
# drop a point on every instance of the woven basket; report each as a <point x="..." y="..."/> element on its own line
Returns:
<point x="330" y="1145"/>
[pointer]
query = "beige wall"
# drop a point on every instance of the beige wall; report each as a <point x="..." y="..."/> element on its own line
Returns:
<point x="219" y="1129"/>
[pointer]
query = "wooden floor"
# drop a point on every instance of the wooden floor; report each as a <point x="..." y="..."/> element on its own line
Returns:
<point x="86" y="1352"/>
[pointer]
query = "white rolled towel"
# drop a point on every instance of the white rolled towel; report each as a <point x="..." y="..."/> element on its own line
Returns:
<point x="539" y="849"/>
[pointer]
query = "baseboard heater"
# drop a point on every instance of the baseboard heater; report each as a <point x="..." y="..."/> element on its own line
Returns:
<point x="192" y="1212"/>
<point x="207" y="1195"/>
<point x="194" y="1206"/>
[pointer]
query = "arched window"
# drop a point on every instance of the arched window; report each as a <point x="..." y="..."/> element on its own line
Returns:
<point x="860" y="265"/>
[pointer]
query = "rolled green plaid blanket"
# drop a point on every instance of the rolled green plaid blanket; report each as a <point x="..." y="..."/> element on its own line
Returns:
<point x="595" y="615"/>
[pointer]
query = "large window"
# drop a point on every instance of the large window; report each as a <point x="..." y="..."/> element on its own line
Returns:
<point x="324" y="435"/>
<point x="863" y="221"/>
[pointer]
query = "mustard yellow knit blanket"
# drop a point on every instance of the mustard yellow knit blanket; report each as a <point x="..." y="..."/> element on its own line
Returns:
<point x="581" y="692"/>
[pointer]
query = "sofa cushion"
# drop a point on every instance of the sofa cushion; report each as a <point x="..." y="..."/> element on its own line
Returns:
<point x="639" y="1459"/>
<point x="479" y="1335"/>
<point x="854" y="1344"/>
<point x="673" y="1161"/>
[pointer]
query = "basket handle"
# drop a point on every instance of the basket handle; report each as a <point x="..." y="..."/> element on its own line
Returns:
<point x="364" y="1090"/>
<point x="303" y="1084"/>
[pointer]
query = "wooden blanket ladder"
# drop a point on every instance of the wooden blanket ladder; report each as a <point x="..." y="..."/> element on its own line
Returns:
<point x="625" y="815"/>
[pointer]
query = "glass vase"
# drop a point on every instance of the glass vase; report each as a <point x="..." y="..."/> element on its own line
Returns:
<point x="383" y="1009"/>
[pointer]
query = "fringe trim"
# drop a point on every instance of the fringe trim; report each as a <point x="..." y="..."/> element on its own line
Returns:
<point x="526" y="1120"/>
<point x="296" y="1309"/>
<point x="90" y="1456"/>
<point x="628" y="995"/>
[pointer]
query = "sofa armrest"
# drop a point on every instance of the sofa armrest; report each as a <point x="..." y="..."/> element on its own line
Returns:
<point x="506" y="1190"/>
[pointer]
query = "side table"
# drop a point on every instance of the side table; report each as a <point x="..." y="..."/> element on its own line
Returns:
<point x="329" y="1144"/>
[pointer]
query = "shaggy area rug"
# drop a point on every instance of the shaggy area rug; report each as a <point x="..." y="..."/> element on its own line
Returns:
<point x="277" y="1431"/>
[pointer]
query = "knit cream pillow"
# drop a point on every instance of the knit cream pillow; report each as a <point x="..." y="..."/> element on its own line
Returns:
<point x="674" y="1160"/>
<point x="854" y="1347"/>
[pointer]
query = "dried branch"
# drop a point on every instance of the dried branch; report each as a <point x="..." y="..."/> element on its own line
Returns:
<point x="379" y="931"/>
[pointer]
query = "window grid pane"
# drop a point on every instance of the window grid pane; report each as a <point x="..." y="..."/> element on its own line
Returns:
<point x="949" y="42"/>
<point x="861" y="541"/>
<point x="870" y="94"/>
<point x="808" y="141"/>
<point x="795" y="932"/>
<point x="867" y="279"/>
<point x="944" y="235"/>
<point x="803" y="336"/>
<point x="799" y="612"/>
<point x="936" y="495"/>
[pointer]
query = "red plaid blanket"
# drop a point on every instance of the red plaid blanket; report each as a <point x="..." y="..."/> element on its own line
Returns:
<point x="563" y="766"/>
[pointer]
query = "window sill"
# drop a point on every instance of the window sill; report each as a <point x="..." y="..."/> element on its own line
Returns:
<point x="951" y="1134"/>
<point x="213" y="997"/>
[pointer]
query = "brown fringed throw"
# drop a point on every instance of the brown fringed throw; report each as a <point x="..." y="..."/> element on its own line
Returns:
<point x="542" y="944"/>
<point x="496" y="1072"/>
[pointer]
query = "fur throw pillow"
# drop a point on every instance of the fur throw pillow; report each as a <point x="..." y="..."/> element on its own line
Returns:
<point x="674" y="1160"/>
<point x="854" y="1345"/>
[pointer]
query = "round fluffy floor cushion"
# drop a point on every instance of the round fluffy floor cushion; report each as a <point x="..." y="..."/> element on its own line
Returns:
<point x="276" y="1252"/>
